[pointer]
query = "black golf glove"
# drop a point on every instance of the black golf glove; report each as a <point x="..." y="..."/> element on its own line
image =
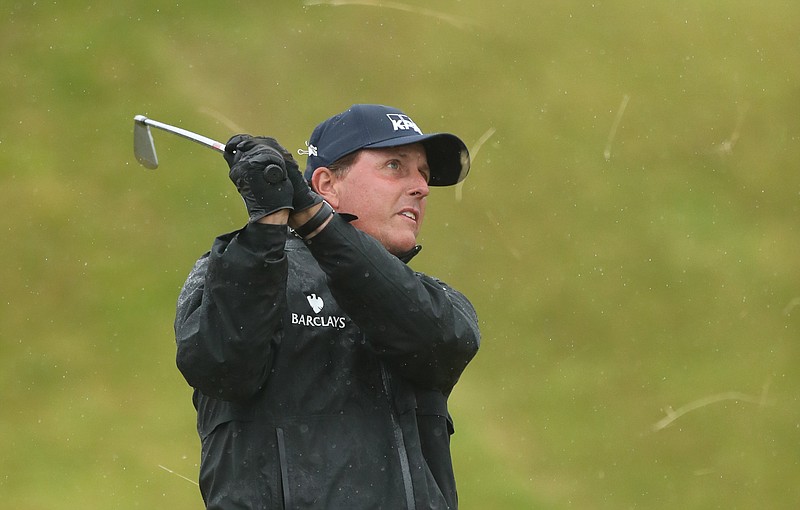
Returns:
<point x="303" y="196"/>
<point x="259" y="173"/>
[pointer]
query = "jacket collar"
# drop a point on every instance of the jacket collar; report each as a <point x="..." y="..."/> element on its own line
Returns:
<point x="407" y="256"/>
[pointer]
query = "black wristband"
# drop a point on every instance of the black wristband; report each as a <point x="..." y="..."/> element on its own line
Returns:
<point x="314" y="223"/>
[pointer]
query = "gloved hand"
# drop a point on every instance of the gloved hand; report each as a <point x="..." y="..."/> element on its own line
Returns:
<point x="303" y="196"/>
<point x="259" y="173"/>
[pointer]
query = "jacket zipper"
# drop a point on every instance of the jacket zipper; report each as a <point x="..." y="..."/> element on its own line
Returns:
<point x="400" y="443"/>
<point x="284" y="469"/>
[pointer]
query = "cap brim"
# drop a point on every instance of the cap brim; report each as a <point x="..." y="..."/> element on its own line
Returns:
<point x="448" y="157"/>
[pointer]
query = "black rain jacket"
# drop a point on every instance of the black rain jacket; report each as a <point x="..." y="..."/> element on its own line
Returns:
<point x="321" y="372"/>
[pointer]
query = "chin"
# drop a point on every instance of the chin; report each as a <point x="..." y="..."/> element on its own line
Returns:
<point x="396" y="242"/>
<point x="401" y="247"/>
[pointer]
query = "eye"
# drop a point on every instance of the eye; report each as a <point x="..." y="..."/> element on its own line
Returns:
<point x="393" y="164"/>
<point x="427" y="175"/>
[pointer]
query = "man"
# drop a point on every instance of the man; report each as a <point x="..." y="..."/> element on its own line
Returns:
<point x="321" y="362"/>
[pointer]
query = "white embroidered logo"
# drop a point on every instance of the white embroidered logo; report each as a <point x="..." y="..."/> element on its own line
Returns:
<point x="316" y="302"/>
<point x="312" y="150"/>
<point x="316" y="320"/>
<point x="401" y="122"/>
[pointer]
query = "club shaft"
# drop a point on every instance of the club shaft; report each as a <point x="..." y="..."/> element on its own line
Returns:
<point x="202" y="140"/>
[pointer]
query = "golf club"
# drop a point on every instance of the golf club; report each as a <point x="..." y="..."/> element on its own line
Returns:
<point x="145" y="149"/>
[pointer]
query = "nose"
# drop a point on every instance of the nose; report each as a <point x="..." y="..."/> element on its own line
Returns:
<point x="419" y="185"/>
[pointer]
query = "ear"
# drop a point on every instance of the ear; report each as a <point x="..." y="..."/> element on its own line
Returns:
<point x="322" y="181"/>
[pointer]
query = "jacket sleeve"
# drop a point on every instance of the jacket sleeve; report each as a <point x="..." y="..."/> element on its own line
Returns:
<point x="425" y="329"/>
<point x="229" y="313"/>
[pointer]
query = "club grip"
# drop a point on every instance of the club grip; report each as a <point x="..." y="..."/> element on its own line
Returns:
<point x="274" y="174"/>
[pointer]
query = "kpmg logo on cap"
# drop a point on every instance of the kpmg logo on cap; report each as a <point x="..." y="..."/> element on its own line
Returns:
<point x="402" y="122"/>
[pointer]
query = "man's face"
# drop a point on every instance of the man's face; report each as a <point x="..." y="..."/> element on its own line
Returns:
<point x="386" y="189"/>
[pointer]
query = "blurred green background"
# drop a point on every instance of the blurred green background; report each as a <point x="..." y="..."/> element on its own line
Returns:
<point x="629" y="233"/>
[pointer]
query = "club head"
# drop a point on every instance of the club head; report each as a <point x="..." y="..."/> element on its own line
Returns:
<point x="143" y="146"/>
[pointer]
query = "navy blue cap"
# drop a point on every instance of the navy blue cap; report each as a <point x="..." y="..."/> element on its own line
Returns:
<point x="372" y="126"/>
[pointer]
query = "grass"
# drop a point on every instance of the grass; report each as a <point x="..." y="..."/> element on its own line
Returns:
<point x="624" y="262"/>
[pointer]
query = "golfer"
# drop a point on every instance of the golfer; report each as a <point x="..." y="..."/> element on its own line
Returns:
<point x="321" y="362"/>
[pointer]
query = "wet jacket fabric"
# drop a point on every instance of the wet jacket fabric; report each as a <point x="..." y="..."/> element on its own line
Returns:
<point x="321" y="372"/>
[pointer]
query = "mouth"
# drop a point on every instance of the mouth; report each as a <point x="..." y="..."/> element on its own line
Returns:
<point x="412" y="215"/>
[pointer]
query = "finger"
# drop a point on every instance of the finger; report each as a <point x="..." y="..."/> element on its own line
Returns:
<point x="272" y="142"/>
<point x="234" y="141"/>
